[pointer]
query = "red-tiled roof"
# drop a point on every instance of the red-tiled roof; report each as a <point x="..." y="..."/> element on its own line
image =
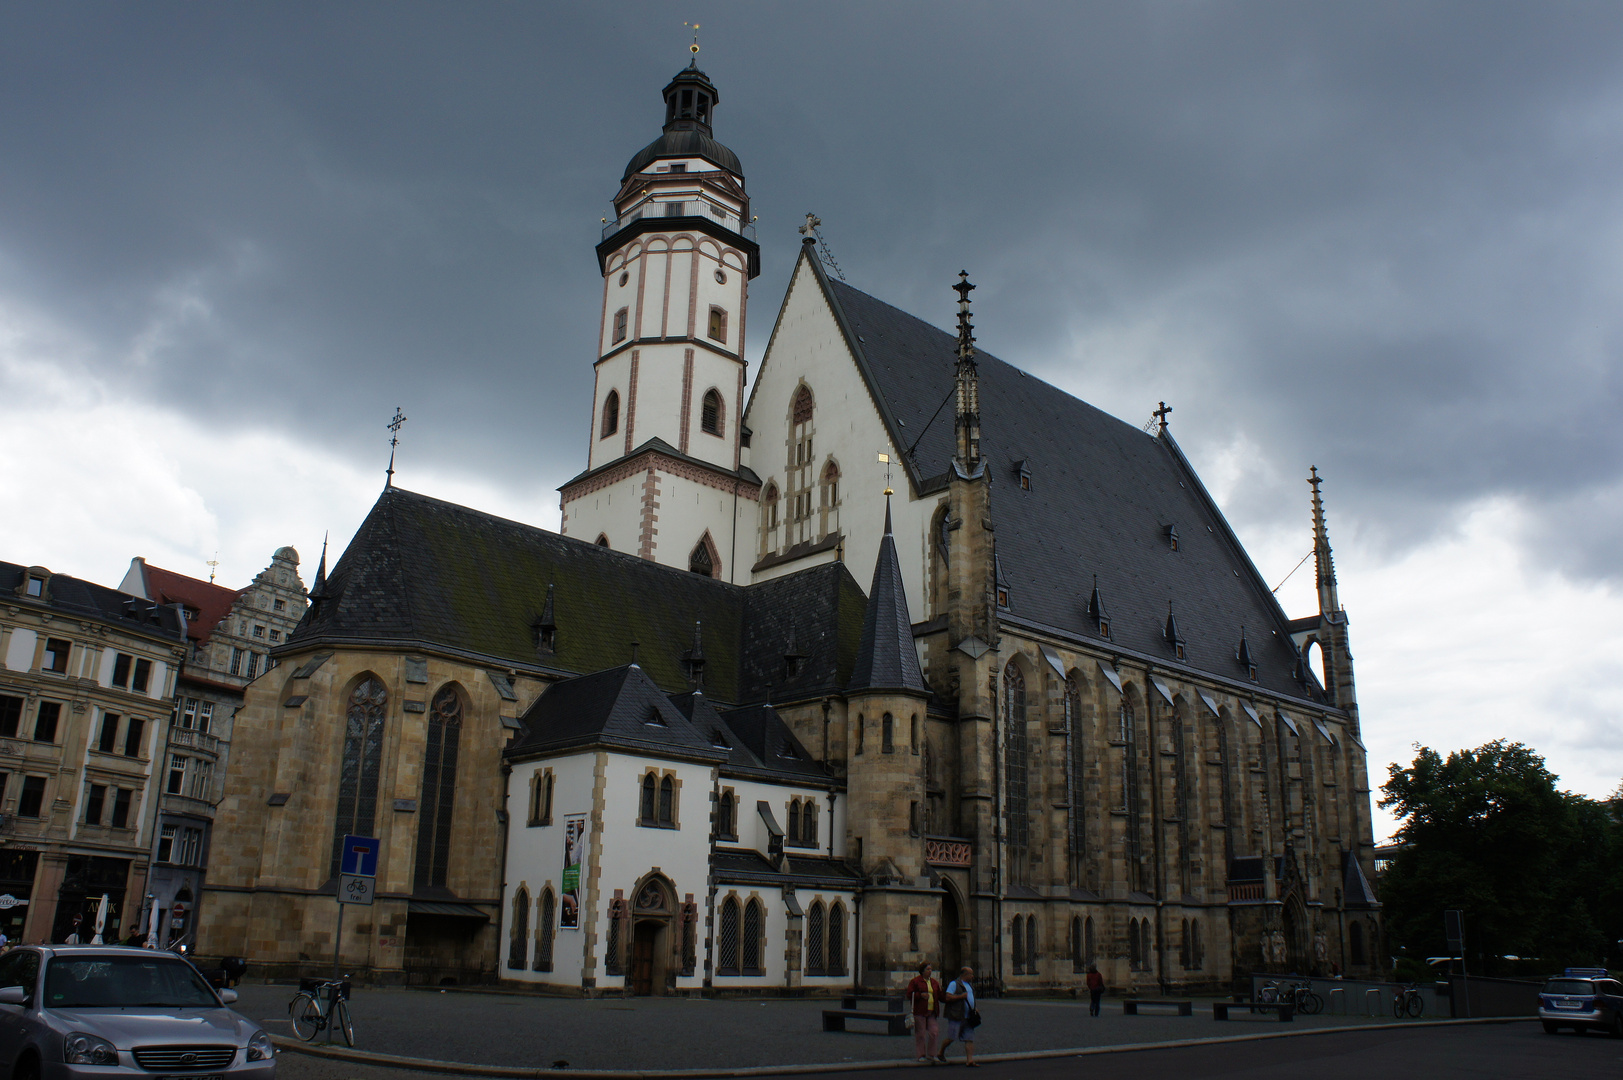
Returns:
<point x="211" y="602"/>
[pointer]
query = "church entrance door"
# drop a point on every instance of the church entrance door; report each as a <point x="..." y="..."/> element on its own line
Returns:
<point x="952" y="952"/>
<point x="644" y="938"/>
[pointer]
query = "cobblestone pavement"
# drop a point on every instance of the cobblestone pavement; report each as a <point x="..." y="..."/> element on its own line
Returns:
<point x="664" y="1033"/>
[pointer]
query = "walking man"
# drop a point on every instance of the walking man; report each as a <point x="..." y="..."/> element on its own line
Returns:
<point x="924" y="997"/>
<point x="1096" y="989"/>
<point x="962" y="1017"/>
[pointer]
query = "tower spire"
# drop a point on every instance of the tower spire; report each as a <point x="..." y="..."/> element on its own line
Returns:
<point x="394" y="440"/>
<point x="968" y="424"/>
<point x="1323" y="562"/>
<point x="318" y="587"/>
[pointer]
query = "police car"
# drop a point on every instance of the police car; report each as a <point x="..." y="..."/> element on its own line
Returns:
<point x="1581" y="998"/>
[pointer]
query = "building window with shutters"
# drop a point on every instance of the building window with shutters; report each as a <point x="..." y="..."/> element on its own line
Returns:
<point x="717" y="330"/>
<point x="621" y="317"/>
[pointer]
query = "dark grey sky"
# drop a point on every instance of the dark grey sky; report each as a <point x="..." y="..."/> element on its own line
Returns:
<point x="1379" y="238"/>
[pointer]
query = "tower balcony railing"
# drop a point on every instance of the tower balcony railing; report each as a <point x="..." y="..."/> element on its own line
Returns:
<point x="675" y="211"/>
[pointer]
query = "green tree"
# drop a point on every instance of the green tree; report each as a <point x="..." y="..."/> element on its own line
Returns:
<point x="1489" y="832"/>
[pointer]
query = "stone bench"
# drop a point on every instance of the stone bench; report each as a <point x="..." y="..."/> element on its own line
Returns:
<point x="1285" y="1009"/>
<point x="1130" y="1006"/>
<point x="895" y="1020"/>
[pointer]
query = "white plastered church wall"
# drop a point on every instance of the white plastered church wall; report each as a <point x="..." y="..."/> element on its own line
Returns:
<point x="808" y="347"/>
<point x="535" y="860"/>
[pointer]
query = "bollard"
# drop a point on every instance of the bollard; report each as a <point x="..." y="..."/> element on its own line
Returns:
<point x="1331" y="1008"/>
<point x="1372" y="1001"/>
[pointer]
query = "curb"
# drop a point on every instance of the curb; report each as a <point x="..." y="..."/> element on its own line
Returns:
<point x="460" y="1068"/>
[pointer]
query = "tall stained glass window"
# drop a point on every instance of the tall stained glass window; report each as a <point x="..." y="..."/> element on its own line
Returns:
<point x="362" y="761"/>
<point x="439" y="788"/>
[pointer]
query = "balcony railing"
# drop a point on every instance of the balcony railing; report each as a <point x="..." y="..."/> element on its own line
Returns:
<point x="195" y="740"/>
<point x="694" y="208"/>
<point x="185" y="804"/>
<point x="1251" y="891"/>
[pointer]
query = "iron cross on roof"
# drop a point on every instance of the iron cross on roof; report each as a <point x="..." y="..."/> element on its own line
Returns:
<point x="394" y="440"/>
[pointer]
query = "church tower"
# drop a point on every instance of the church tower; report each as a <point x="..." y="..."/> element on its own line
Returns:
<point x="663" y="468"/>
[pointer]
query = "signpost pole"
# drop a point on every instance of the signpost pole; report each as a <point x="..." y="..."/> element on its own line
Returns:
<point x="338" y="938"/>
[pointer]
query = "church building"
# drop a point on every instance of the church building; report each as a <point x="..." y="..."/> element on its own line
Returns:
<point x="677" y="747"/>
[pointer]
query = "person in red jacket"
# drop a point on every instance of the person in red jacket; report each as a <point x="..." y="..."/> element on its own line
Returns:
<point x="1096" y="989"/>
<point x="924" y="996"/>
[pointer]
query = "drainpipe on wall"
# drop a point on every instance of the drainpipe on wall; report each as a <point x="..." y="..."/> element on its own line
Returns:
<point x="997" y="838"/>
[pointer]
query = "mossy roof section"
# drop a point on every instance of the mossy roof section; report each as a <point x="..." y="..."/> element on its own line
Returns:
<point x="426" y="573"/>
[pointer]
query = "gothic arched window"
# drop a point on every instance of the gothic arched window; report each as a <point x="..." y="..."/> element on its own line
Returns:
<point x="544" y="925"/>
<point x="710" y="413"/>
<point x="362" y="761"/>
<point x="1017" y="948"/>
<point x="831" y="486"/>
<point x="836" y="939"/>
<point x="814" y="939"/>
<point x="700" y="562"/>
<point x="1076" y="832"/>
<point x="520" y="944"/>
<point x="1016" y="757"/>
<point x="439" y="788"/>
<point x="753" y="919"/>
<point x="887" y="735"/>
<point x="727" y="938"/>
<point x="1355" y="941"/>
<point x="794" y="821"/>
<point x="650" y="790"/>
<point x="801" y="468"/>
<point x="725" y="811"/>
<point x="1087" y="940"/>
<point x="1076" y="943"/>
<point x="1031" y="944"/>
<point x="667" y="801"/>
<point x="611" y="415"/>
<point x="1134" y="961"/>
<point x="808" y="823"/>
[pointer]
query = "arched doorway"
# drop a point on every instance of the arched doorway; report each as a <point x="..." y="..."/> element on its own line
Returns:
<point x="654" y="963"/>
<point x="954" y="931"/>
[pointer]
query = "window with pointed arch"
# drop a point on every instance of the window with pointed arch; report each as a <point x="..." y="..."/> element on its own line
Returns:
<point x="1076" y="823"/>
<point x="360" y="765"/>
<point x="438" y="799"/>
<point x="727" y="815"/>
<point x="1355" y="942"/>
<point x="657" y="806"/>
<point x="792" y="832"/>
<point x="808" y="822"/>
<point x="814" y="938"/>
<point x="711" y="414"/>
<point x="754" y="930"/>
<point x="835" y="957"/>
<point x="519" y="945"/>
<point x="1031" y="944"/>
<point x="1016" y="767"/>
<point x="611" y="415"/>
<point x="545" y="923"/>
<point x="831" y="494"/>
<point x="801" y="468"/>
<point x="1089" y="951"/>
<point x="701" y="562"/>
<point x="887" y="735"/>
<point x="727" y="937"/>
<point x="1134" y="959"/>
<point x="1017" y="944"/>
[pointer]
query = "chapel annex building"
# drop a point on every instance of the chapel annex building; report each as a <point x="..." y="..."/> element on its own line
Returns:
<point x="675" y="748"/>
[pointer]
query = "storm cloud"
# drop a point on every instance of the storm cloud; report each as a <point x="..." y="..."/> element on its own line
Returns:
<point x="1383" y="239"/>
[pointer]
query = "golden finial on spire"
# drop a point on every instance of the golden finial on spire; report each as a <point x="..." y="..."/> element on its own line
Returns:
<point x="212" y="564"/>
<point x="884" y="459"/>
<point x="694" y="48"/>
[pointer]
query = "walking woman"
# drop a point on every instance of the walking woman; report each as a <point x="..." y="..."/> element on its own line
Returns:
<point x="962" y="1017"/>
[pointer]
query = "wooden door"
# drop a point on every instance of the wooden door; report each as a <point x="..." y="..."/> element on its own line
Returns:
<point x="642" y="959"/>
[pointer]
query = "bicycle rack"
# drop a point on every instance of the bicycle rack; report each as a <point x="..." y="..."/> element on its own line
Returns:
<point x="1330" y="1005"/>
<point x="1372" y="1001"/>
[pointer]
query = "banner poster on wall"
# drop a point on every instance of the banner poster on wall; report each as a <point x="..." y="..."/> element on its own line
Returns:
<point x="574" y="857"/>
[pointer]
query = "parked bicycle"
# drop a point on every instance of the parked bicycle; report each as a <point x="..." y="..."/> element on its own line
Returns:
<point x="1408" y="1002"/>
<point x="1306" y="1001"/>
<point x="1268" y="993"/>
<point x="319" y="1006"/>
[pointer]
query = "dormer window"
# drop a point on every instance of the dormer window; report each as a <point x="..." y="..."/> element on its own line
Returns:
<point x="1022" y="472"/>
<point x="35" y="587"/>
<point x="1104" y="627"/>
<point x="1172" y="537"/>
<point x="679" y="166"/>
<point x="1003" y="598"/>
<point x="653" y="718"/>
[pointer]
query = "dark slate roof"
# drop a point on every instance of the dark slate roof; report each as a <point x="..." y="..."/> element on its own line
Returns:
<point x="75" y="596"/>
<point x="748" y="865"/>
<point x="1102" y="495"/>
<point x="1354" y="885"/>
<point x="430" y="574"/>
<point x="691" y="143"/>
<point x="761" y="734"/>
<point x="887" y="659"/>
<point x="621" y="707"/>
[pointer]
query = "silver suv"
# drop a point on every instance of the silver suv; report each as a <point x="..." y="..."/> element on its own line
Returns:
<point x="92" y="1011"/>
